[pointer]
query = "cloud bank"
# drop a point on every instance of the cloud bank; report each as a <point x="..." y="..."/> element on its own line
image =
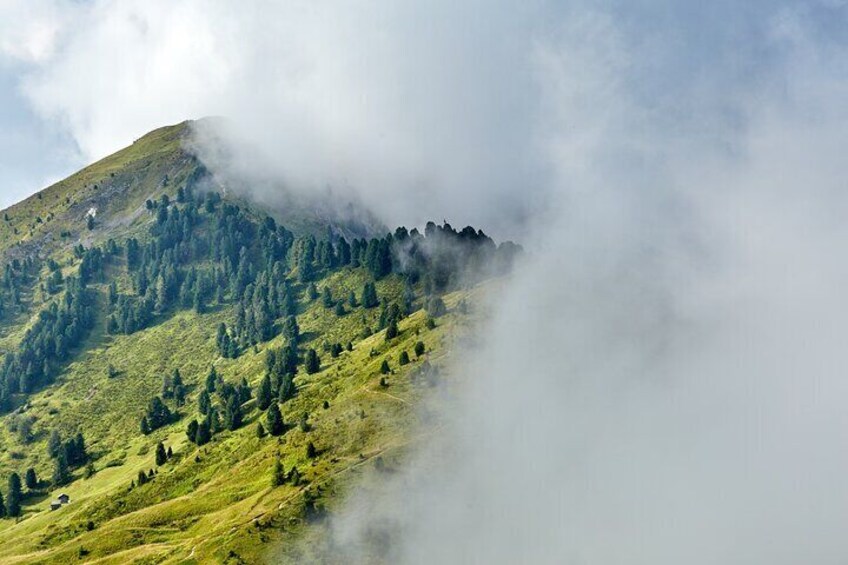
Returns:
<point x="664" y="381"/>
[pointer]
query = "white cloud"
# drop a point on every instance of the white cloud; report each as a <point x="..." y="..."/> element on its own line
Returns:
<point x="663" y="382"/>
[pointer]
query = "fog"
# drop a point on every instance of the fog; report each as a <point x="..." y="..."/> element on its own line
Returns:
<point x="663" y="379"/>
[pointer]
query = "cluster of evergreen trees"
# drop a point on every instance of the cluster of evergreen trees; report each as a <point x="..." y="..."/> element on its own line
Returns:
<point x="59" y="328"/>
<point x="11" y="503"/>
<point x="17" y="277"/>
<point x="66" y="455"/>
<point x="157" y="415"/>
<point x="226" y="413"/>
<point x="202" y="250"/>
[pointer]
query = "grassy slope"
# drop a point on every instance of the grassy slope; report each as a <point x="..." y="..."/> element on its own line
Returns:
<point x="203" y="510"/>
<point x="116" y="186"/>
<point x="214" y="503"/>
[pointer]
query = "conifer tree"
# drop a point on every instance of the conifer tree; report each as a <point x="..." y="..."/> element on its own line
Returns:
<point x="260" y="431"/>
<point x="203" y="402"/>
<point x="384" y="368"/>
<point x="2" y="507"/>
<point x="287" y="388"/>
<point x="264" y="396"/>
<point x="31" y="479"/>
<point x="327" y="297"/>
<point x="54" y="444"/>
<point x="178" y="387"/>
<point x="313" y="362"/>
<point x="233" y="416"/>
<point x="144" y="426"/>
<point x="419" y="349"/>
<point x="278" y="476"/>
<point x="14" y="495"/>
<point x="61" y="473"/>
<point x="211" y="378"/>
<point x="203" y="434"/>
<point x="311" y="452"/>
<point x="391" y="330"/>
<point x="369" y="295"/>
<point x="274" y="419"/>
<point x="191" y="430"/>
<point x="404" y="358"/>
<point x="161" y="455"/>
<point x="291" y="331"/>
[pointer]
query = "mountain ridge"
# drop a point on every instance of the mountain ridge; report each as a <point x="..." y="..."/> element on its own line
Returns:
<point x="179" y="318"/>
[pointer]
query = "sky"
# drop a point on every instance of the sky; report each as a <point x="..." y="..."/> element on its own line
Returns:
<point x="663" y="380"/>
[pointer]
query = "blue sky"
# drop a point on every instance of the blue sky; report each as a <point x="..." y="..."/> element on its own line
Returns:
<point x="33" y="152"/>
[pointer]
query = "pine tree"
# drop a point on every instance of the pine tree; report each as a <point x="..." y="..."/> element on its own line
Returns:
<point x="14" y="495"/>
<point x="419" y="349"/>
<point x="54" y="444"/>
<point x="144" y="426"/>
<point x="191" y="430"/>
<point x="327" y="297"/>
<point x="278" y="476"/>
<point x="313" y="362"/>
<point x="264" y="395"/>
<point x="80" y="454"/>
<point x="233" y="416"/>
<point x="291" y="331"/>
<point x="436" y="307"/>
<point x="312" y="292"/>
<point x="260" y="431"/>
<point x="274" y="419"/>
<point x="161" y="455"/>
<point x="311" y="452"/>
<point x="404" y="358"/>
<point x="178" y="387"/>
<point x="203" y="434"/>
<point x="287" y="388"/>
<point x="384" y="368"/>
<point x="369" y="296"/>
<point x="31" y="479"/>
<point x="61" y="473"/>
<point x="211" y="379"/>
<point x="2" y="507"/>
<point x="391" y="330"/>
<point x="203" y="402"/>
<point x="340" y="309"/>
<point x="351" y="300"/>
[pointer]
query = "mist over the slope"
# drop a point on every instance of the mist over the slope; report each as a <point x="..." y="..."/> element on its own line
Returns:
<point x="664" y="380"/>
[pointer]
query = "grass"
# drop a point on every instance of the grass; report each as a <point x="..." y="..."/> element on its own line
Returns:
<point x="212" y="504"/>
<point x="210" y="501"/>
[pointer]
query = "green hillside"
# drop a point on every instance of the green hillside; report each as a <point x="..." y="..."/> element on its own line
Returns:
<point x="182" y="316"/>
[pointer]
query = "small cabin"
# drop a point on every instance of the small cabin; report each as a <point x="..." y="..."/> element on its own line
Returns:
<point x="63" y="498"/>
<point x="55" y="505"/>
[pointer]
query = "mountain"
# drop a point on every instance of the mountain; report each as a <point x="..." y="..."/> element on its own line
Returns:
<point x="151" y="320"/>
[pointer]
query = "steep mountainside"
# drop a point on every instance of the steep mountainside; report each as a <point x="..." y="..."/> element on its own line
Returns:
<point x="203" y="377"/>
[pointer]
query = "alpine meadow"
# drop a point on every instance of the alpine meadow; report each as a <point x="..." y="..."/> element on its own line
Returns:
<point x="199" y="380"/>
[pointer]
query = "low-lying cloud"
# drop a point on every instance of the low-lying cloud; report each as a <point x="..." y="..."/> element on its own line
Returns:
<point x="664" y="379"/>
